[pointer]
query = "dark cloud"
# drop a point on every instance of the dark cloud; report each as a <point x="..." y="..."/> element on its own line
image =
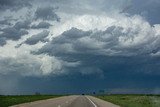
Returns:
<point x="22" y="24"/>
<point x="2" y="41"/>
<point x="76" y="84"/>
<point x="43" y="25"/>
<point x="93" y="47"/>
<point x="108" y="42"/>
<point x="87" y="6"/>
<point x="4" y="22"/>
<point x="64" y="42"/>
<point x="46" y="13"/>
<point x="117" y="73"/>
<point x="38" y="37"/>
<point x="148" y="9"/>
<point x="13" y="33"/>
<point x="14" y="4"/>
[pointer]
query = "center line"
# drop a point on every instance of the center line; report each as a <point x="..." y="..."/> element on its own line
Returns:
<point x="91" y="102"/>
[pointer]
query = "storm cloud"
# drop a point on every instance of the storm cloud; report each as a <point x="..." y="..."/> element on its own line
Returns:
<point x="118" y="45"/>
<point x="80" y="46"/>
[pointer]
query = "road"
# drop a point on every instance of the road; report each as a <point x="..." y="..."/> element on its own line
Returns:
<point x="69" y="101"/>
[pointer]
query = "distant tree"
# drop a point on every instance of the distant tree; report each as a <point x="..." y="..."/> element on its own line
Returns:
<point x="94" y="93"/>
<point x="37" y="93"/>
<point x="101" y="91"/>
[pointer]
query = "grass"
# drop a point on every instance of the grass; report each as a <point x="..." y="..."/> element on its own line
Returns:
<point x="122" y="100"/>
<point x="133" y="100"/>
<point x="6" y="101"/>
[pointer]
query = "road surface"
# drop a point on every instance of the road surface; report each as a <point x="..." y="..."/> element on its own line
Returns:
<point x="69" y="101"/>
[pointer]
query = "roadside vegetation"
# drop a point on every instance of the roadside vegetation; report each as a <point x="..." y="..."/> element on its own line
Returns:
<point x="6" y="101"/>
<point x="133" y="100"/>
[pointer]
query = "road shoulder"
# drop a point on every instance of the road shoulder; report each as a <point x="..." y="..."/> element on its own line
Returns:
<point x="101" y="103"/>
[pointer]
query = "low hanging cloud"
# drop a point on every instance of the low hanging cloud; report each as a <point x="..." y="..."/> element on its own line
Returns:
<point x="46" y="13"/>
<point x="30" y="65"/>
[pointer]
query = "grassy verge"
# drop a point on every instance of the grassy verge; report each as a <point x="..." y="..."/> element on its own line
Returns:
<point x="133" y="100"/>
<point x="6" y="101"/>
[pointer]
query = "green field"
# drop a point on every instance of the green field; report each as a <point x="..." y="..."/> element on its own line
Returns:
<point x="122" y="100"/>
<point x="6" y="101"/>
<point x="133" y="100"/>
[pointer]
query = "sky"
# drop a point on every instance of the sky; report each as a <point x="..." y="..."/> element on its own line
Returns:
<point x="79" y="46"/>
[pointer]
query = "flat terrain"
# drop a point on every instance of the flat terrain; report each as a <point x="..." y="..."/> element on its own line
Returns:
<point x="6" y="101"/>
<point x="81" y="101"/>
<point x="69" y="101"/>
<point x="133" y="100"/>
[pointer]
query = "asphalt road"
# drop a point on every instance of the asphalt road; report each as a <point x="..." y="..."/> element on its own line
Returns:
<point x="69" y="101"/>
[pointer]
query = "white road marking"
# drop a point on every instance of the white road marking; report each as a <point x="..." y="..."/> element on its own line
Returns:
<point x="59" y="105"/>
<point x="91" y="101"/>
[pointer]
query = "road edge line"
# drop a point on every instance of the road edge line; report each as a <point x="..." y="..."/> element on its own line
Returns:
<point x="91" y="101"/>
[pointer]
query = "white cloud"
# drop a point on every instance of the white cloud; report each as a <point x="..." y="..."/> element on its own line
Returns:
<point x="84" y="22"/>
<point x="30" y="65"/>
<point x="123" y="35"/>
<point x="50" y="65"/>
